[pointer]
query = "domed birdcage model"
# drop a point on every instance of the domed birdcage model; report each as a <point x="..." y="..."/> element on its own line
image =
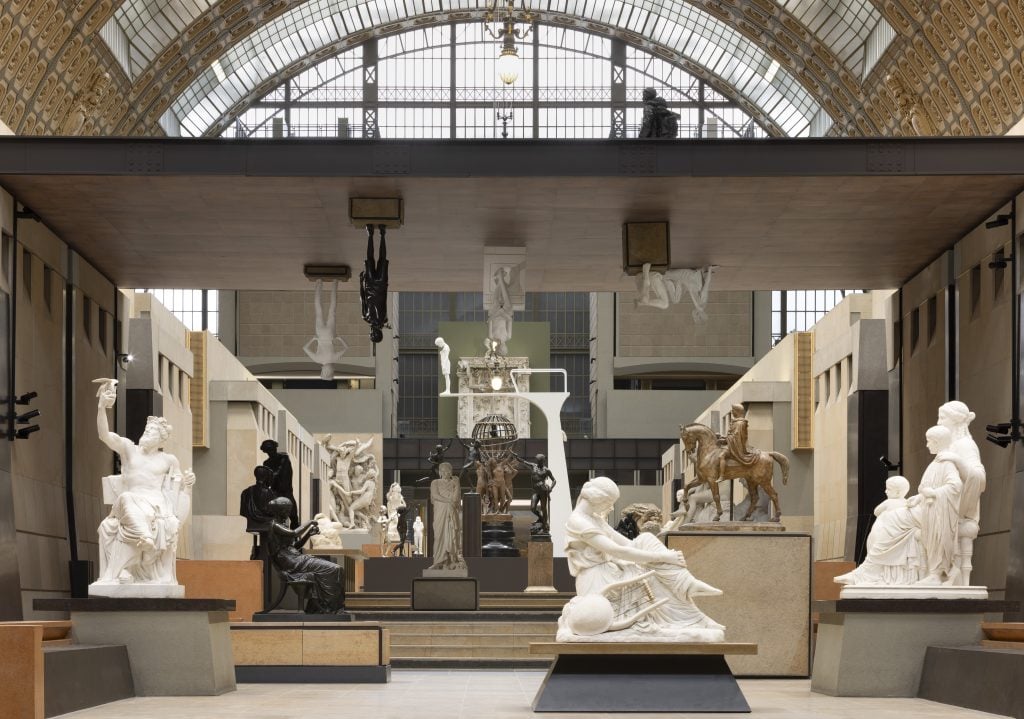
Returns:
<point x="497" y="434"/>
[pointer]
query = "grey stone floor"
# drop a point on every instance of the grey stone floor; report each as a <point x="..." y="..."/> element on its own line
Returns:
<point x="443" y="694"/>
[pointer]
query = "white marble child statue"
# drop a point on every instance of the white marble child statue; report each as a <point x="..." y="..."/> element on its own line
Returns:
<point x="325" y="354"/>
<point x="417" y="534"/>
<point x="894" y="552"/>
<point x="446" y="364"/>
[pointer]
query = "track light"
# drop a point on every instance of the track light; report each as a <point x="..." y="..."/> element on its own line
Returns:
<point x="124" y="359"/>
<point x="998" y="221"/>
<point x="1002" y="440"/>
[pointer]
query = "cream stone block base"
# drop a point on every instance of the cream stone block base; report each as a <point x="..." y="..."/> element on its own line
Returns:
<point x="765" y="578"/>
<point x="138" y="591"/>
<point x="912" y="592"/>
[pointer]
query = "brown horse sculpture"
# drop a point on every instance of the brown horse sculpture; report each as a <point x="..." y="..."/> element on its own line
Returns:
<point x="702" y="446"/>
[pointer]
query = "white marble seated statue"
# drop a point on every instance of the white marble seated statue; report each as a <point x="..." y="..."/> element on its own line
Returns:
<point x="149" y="501"/>
<point x="661" y="289"/>
<point x="916" y="542"/>
<point x="628" y="590"/>
<point x="325" y="348"/>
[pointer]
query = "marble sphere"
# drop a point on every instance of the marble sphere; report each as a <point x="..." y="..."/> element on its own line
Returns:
<point x="589" y="614"/>
<point x="497" y="434"/>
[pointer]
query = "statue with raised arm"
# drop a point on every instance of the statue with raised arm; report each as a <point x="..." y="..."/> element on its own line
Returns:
<point x="373" y="285"/>
<point x="149" y="501"/>
<point x="543" y="481"/>
<point x="443" y="355"/>
<point x="661" y="289"/>
<point x="325" y="348"/>
<point x="499" y="314"/>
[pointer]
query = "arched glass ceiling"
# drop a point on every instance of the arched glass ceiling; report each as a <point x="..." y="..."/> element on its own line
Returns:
<point x="151" y="25"/>
<point x="843" y="26"/>
<point x="438" y="81"/>
<point x="696" y="35"/>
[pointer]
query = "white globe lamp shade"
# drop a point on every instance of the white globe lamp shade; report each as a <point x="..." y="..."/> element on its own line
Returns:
<point x="508" y="65"/>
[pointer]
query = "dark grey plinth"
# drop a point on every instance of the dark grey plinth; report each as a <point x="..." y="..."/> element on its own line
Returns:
<point x="605" y="683"/>
<point x="495" y="574"/>
<point x="876" y="647"/>
<point x="300" y="617"/>
<point x="319" y="674"/>
<point x="115" y="604"/>
<point x="987" y="679"/>
<point x="80" y="676"/>
<point x="445" y="594"/>
<point x="176" y="647"/>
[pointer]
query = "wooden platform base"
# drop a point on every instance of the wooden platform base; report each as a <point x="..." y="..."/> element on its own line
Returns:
<point x="634" y="677"/>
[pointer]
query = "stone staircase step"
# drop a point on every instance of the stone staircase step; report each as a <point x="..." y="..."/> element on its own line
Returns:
<point x="79" y="676"/>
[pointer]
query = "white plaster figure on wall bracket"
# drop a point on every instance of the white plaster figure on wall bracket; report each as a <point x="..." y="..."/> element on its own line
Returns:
<point x="325" y="348"/>
<point x="661" y="289"/>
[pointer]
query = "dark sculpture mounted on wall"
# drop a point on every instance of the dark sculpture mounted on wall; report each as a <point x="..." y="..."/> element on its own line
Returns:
<point x="319" y="583"/>
<point x="658" y="120"/>
<point x="373" y="285"/>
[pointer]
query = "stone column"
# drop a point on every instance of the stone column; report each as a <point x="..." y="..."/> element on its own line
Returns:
<point x="540" y="567"/>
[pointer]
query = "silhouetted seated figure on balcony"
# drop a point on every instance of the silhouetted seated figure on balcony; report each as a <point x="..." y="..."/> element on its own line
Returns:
<point x="324" y="579"/>
<point x="658" y="120"/>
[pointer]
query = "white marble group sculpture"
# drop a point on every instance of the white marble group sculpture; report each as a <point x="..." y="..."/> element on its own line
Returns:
<point x="325" y="348"/>
<point x="446" y="506"/>
<point x="444" y="358"/>
<point x="329" y="535"/>
<point x="149" y="502"/>
<point x="922" y="546"/>
<point x="628" y="590"/>
<point x="657" y="289"/>
<point x="352" y="480"/>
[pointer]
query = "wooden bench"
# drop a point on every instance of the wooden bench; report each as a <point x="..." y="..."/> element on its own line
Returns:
<point x="640" y="677"/>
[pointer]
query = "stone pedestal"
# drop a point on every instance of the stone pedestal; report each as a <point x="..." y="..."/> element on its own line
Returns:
<point x="499" y="536"/>
<point x="604" y="677"/>
<point x="966" y="676"/>
<point x="766" y="580"/>
<point x="471" y="528"/>
<point x="433" y="594"/>
<point x="177" y="647"/>
<point x="540" y="568"/>
<point x="311" y="653"/>
<point x="876" y="647"/>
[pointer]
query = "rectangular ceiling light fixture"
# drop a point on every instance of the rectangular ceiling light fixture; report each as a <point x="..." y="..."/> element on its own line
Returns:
<point x="644" y="242"/>
<point x="327" y="272"/>
<point x="364" y="211"/>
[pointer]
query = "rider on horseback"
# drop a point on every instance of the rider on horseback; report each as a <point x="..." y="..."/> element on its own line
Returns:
<point x="735" y="441"/>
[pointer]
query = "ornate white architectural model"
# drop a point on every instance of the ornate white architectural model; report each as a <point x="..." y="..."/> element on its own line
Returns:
<point x="922" y="546"/>
<point x="477" y="397"/>
<point x="149" y="501"/>
<point x="657" y="289"/>
<point x="352" y="480"/>
<point x="628" y="590"/>
<point x="328" y="348"/>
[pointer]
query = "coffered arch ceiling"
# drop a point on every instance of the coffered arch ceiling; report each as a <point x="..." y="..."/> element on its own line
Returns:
<point x="961" y="57"/>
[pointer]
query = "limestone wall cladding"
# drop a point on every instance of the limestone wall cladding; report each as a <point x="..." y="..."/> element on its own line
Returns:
<point x="651" y="332"/>
<point x="45" y="271"/>
<point x="277" y="324"/>
<point x="984" y="367"/>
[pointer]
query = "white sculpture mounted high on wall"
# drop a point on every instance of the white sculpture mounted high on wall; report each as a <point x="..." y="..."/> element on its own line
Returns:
<point x="352" y="480"/>
<point x="628" y="590"/>
<point x="922" y="546"/>
<point x="149" y="501"/>
<point x="326" y="353"/>
<point x="661" y="289"/>
<point x="500" y="311"/>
